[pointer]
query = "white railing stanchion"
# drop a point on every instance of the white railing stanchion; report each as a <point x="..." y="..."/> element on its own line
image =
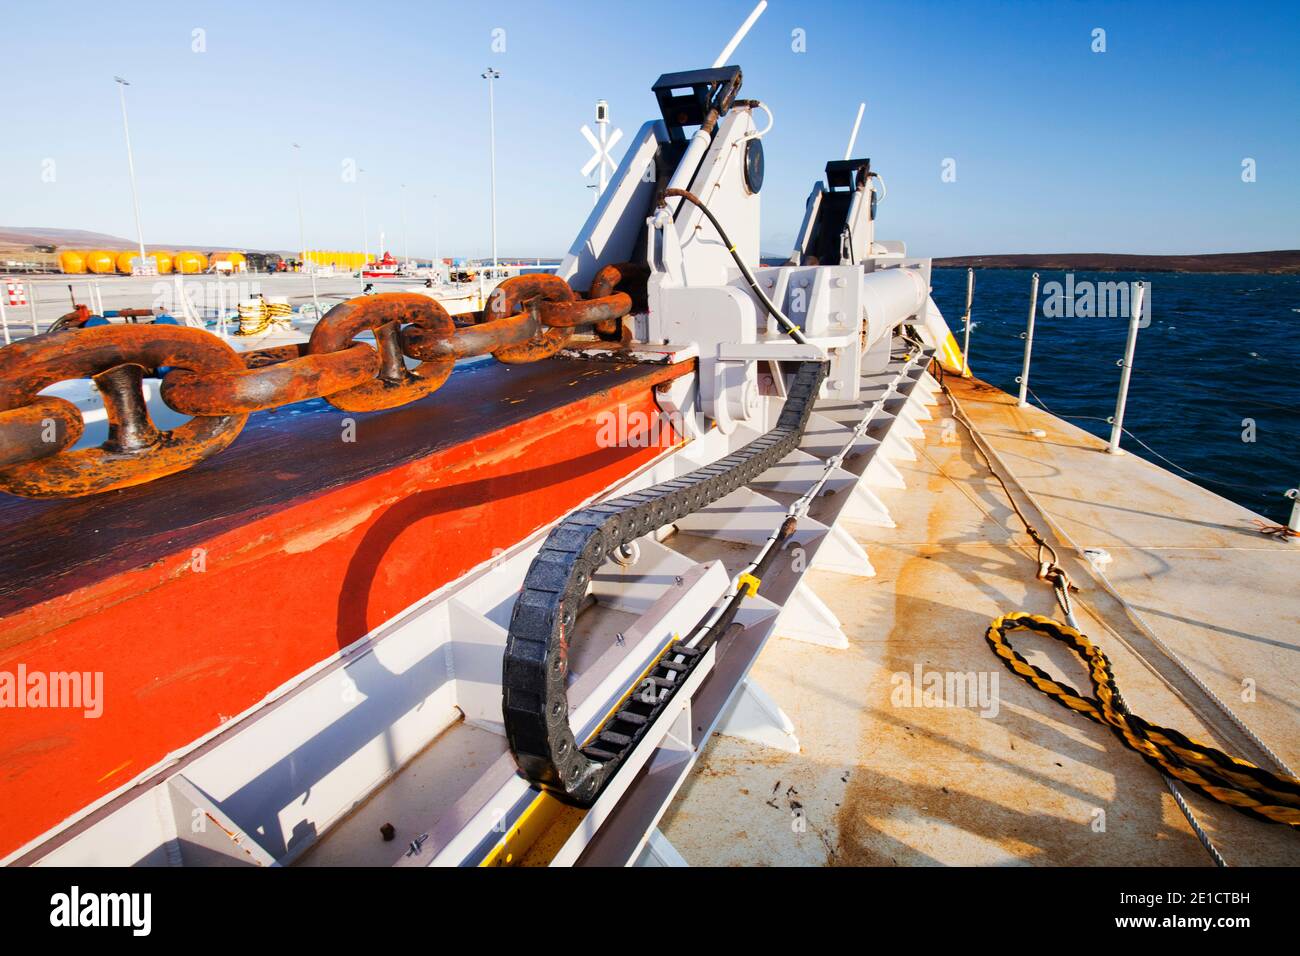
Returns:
<point x="1028" y="336"/>
<point x="1126" y="370"/>
<point x="965" y="345"/>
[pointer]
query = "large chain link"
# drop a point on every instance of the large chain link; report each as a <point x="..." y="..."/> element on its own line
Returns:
<point x="528" y="318"/>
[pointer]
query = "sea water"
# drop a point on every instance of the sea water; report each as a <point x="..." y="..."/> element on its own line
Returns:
<point x="1215" y="392"/>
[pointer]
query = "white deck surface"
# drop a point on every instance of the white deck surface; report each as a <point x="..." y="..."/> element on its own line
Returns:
<point x="881" y="783"/>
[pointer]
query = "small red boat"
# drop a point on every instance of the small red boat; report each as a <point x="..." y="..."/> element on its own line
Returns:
<point x="385" y="266"/>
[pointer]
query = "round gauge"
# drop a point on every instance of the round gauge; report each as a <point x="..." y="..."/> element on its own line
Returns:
<point x="754" y="165"/>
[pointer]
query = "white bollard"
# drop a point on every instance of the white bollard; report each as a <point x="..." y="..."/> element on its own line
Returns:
<point x="1028" y="336"/>
<point x="1294" y="524"/>
<point x="1126" y="371"/>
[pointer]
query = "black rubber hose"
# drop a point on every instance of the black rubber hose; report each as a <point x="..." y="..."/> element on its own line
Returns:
<point x="791" y="329"/>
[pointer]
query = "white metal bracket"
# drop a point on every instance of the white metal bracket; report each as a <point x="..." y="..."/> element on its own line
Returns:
<point x="659" y="852"/>
<point x="756" y="717"/>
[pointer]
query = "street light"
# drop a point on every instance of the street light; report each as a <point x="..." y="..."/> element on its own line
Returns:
<point x="490" y="74"/>
<point x="437" y="256"/>
<point x="302" y="231"/>
<point x="365" y="227"/>
<point x="406" y="245"/>
<point x="130" y="165"/>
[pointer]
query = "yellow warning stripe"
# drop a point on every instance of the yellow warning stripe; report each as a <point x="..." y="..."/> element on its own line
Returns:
<point x="547" y="822"/>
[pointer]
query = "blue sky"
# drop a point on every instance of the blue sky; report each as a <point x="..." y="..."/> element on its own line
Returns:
<point x="1057" y="148"/>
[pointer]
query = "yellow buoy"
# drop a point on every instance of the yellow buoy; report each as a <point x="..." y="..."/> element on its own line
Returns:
<point x="163" y="260"/>
<point x="101" y="262"/>
<point x="237" y="261"/>
<point x="126" y="261"/>
<point x="72" y="262"/>
<point x="190" y="262"/>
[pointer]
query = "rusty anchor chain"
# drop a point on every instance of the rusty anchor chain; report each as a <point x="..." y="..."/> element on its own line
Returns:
<point x="528" y="318"/>
<point x="115" y="357"/>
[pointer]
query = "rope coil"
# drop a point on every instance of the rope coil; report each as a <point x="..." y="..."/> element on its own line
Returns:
<point x="1230" y="780"/>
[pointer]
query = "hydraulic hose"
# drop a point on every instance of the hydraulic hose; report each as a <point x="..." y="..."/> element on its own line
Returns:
<point x="790" y="328"/>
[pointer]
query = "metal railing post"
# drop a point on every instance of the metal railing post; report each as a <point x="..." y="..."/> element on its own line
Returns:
<point x="965" y="345"/>
<point x="1126" y="371"/>
<point x="4" y="319"/>
<point x="1028" y="336"/>
<point x="31" y="306"/>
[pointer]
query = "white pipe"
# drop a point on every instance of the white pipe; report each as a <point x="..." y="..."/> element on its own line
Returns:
<point x="4" y="318"/>
<point x="890" y="296"/>
<point x="690" y="161"/>
<point x="853" y="137"/>
<point x="1028" y="336"/>
<point x="745" y="27"/>
<point x="1126" y="371"/>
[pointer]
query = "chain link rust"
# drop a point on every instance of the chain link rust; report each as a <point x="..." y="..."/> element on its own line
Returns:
<point x="384" y="315"/>
<point x="115" y="357"/>
<point x="528" y="318"/>
<point x="290" y="375"/>
<point x="514" y="294"/>
<point x="45" y="427"/>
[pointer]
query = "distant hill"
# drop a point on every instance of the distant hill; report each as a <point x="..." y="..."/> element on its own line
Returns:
<point x="32" y="236"/>
<point x="83" y="239"/>
<point x="1285" y="261"/>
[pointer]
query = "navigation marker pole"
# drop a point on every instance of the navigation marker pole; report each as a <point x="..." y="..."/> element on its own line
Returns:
<point x="1028" y="336"/>
<point x="1126" y="371"/>
<point x="601" y="162"/>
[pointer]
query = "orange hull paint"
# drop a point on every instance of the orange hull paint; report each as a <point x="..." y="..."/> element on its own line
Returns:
<point x="183" y="651"/>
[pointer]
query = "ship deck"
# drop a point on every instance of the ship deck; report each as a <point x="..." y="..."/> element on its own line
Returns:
<point x="880" y="781"/>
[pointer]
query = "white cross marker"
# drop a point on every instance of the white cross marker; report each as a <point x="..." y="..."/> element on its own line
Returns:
<point x="602" y="145"/>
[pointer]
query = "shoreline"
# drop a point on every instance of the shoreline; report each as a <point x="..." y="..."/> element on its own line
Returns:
<point x="1279" y="262"/>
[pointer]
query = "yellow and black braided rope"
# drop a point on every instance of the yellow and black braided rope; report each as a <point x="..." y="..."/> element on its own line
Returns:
<point x="1238" y="783"/>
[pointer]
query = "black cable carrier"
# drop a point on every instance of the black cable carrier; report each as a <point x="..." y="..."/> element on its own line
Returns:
<point x="536" y="666"/>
